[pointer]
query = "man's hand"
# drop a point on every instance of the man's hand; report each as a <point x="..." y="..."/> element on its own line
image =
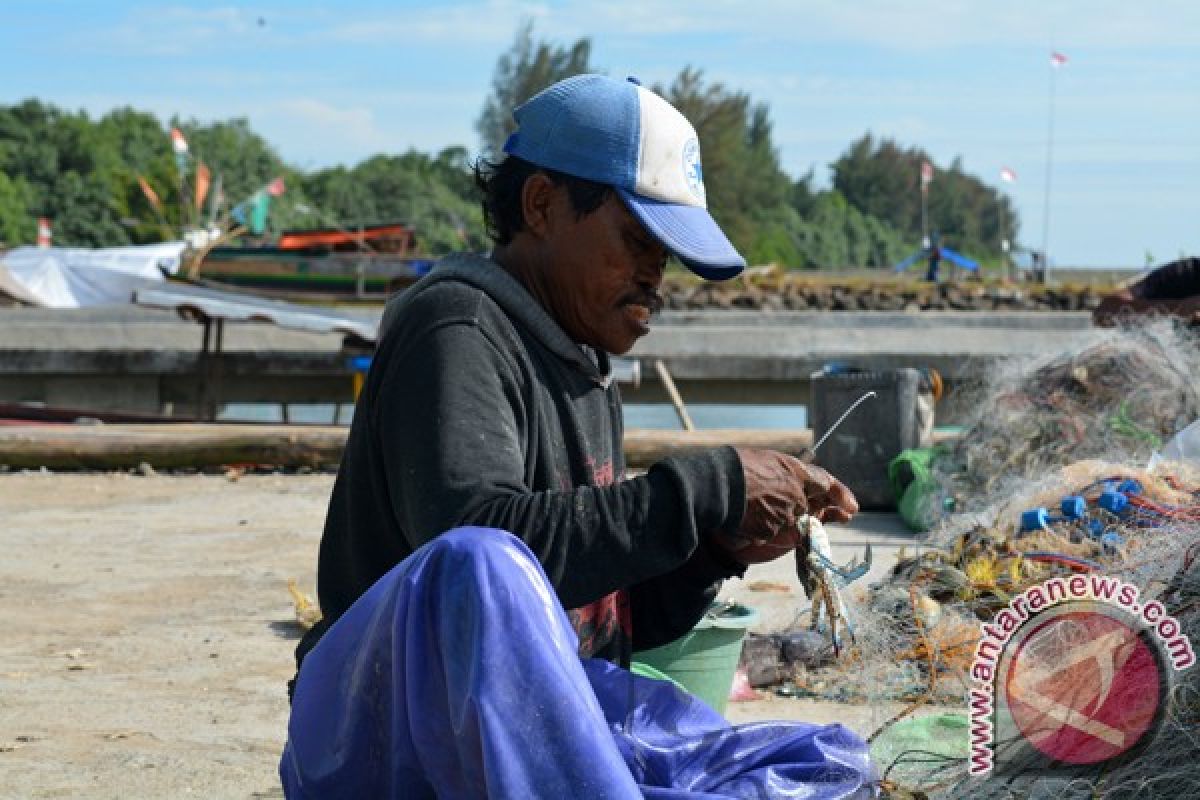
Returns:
<point x="779" y="489"/>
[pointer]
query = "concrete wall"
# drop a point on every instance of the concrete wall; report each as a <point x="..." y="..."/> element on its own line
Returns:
<point x="141" y="360"/>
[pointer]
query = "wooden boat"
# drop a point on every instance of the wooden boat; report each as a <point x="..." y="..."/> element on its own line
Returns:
<point x="320" y="264"/>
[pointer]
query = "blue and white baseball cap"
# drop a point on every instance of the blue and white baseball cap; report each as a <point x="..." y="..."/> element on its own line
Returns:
<point x="618" y="133"/>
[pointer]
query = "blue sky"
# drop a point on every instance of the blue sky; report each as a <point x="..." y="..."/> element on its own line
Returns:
<point x="331" y="83"/>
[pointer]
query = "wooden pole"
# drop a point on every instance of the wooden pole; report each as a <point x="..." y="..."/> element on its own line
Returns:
<point x="672" y="392"/>
<point x="198" y="445"/>
<point x="644" y="448"/>
<point x="170" y="445"/>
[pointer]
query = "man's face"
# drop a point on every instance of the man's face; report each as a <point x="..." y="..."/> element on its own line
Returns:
<point x="603" y="274"/>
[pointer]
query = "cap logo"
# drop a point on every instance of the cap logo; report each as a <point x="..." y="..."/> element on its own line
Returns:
<point x="693" y="173"/>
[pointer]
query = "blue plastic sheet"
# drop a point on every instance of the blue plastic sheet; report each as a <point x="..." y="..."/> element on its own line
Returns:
<point x="953" y="256"/>
<point x="456" y="676"/>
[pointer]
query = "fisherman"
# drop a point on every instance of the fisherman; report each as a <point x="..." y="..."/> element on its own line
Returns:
<point x="483" y="491"/>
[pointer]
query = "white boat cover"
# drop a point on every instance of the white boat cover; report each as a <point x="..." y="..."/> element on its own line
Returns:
<point x="72" y="277"/>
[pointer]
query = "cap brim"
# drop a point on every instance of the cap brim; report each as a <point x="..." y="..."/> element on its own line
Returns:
<point x="690" y="233"/>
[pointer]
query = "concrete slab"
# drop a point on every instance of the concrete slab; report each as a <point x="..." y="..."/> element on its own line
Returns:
<point x="790" y="346"/>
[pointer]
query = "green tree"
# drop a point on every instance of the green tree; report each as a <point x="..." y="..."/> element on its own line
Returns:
<point x="17" y="225"/>
<point x="432" y="195"/>
<point x="882" y="179"/>
<point x="835" y="234"/>
<point x="523" y="71"/>
<point x="139" y="147"/>
<point x="803" y="196"/>
<point x="69" y="167"/>
<point x="84" y="212"/>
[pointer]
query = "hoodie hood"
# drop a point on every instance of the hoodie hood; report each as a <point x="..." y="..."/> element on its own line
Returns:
<point x="507" y="292"/>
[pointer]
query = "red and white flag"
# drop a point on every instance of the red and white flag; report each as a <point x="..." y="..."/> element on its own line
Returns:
<point x="1007" y="175"/>
<point x="1057" y="59"/>
<point x="178" y="142"/>
<point x="926" y="175"/>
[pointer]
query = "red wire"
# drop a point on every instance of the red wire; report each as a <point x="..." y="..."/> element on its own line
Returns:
<point x="1068" y="561"/>
<point x="1179" y="511"/>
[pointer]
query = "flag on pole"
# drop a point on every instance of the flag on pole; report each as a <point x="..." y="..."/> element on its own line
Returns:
<point x="1057" y="59"/>
<point x="178" y="143"/>
<point x="260" y="205"/>
<point x="926" y="175"/>
<point x="44" y="233"/>
<point x="275" y="187"/>
<point x="151" y="195"/>
<point x="203" y="178"/>
<point x="180" y="146"/>
<point x="1007" y="175"/>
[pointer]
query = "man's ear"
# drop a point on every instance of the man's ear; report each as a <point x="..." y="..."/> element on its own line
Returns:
<point x="538" y="197"/>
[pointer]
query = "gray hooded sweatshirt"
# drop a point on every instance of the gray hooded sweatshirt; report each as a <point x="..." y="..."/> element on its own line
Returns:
<point x="479" y="410"/>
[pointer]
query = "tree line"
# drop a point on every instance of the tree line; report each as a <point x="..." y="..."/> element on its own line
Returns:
<point x="116" y="180"/>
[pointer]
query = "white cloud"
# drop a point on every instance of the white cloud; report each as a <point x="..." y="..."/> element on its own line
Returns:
<point x="356" y="124"/>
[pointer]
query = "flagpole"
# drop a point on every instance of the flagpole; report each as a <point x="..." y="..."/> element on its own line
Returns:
<point x="1003" y="240"/>
<point x="926" y="179"/>
<point x="179" y="145"/>
<point x="1045" y="260"/>
<point x="924" y="218"/>
<point x="1002" y="198"/>
<point x="214" y="202"/>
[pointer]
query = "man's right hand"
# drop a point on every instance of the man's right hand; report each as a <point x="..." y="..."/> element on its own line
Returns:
<point x="779" y="490"/>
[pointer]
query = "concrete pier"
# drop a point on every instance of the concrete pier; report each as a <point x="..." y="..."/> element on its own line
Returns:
<point x="763" y="357"/>
<point x="137" y="359"/>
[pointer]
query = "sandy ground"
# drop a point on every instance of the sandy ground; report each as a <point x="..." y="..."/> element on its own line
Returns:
<point x="148" y="631"/>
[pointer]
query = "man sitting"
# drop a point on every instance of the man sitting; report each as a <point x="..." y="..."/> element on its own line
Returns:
<point x="446" y="665"/>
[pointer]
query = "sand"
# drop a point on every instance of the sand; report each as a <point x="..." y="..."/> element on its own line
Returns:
<point x="148" y="632"/>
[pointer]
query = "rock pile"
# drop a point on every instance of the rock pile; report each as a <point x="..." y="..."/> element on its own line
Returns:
<point x="794" y="293"/>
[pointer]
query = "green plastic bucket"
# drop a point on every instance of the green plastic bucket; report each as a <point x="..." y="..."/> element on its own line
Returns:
<point x="704" y="659"/>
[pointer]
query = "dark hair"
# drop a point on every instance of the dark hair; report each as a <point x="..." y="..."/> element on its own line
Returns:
<point x="501" y="184"/>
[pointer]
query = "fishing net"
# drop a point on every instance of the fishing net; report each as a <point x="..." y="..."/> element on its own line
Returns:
<point x="1049" y="481"/>
<point x="974" y="564"/>
<point x="1119" y="397"/>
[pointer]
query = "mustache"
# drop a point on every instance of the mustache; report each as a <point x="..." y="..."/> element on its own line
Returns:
<point x="650" y="299"/>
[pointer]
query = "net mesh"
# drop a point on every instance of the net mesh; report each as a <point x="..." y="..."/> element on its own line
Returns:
<point x="1076" y="425"/>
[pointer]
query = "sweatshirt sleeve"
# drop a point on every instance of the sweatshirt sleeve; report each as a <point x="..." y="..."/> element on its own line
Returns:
<point x="453" y="452"/>
<point x="667" y="606"/>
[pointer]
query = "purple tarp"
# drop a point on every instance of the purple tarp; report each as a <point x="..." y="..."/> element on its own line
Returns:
<point x="456" y="676"/>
